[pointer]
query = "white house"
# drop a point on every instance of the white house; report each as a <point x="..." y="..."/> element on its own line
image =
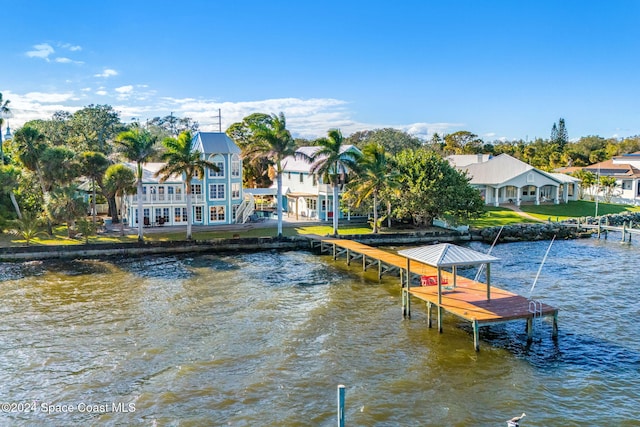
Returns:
<point x="626" y="171"/>
<point x="304" y="193"/>
<point x="216" y="198"/>
<point x="505" y="179"/>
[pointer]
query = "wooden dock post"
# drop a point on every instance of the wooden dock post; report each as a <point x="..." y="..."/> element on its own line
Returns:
<point x="476" y="336"/>
<point x="408" y="287"/>
<point x="341" y="392"/>
<point x="429" y="305"/>
<point x="554" y="332"/>
<point x="529" y="329"/>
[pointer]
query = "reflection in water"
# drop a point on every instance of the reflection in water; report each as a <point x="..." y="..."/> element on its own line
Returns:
<point x="265" y="338"/>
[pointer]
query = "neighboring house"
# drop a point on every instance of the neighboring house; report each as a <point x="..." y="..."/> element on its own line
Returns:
<point x="304" y="194"/>
<point x="626" y="171"/>
<point x="505" y="179"/>
<point x="463" y="160"/>
<point x="216" y="198"/>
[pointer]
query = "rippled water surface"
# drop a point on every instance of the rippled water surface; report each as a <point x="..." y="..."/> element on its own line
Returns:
<point x="264" y="339"/>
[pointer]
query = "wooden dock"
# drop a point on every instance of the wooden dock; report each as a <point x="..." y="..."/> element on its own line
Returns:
<point x="478" y="303"/>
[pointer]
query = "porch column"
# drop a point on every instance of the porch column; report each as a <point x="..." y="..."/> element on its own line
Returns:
<point x="496" y="192"/>
<point x="519" y="191"/>
<point x="537" y="195"/>
<point x="557" y="199"/>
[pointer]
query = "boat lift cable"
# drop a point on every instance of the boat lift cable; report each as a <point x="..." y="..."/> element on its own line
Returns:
<point x="541" y="265"/>
<point x="481" y="269"/>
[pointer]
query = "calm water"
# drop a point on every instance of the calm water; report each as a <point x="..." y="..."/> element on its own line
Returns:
<point x="264" y="339"/>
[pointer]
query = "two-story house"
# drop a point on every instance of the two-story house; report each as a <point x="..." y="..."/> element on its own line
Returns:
<point x="304" y="194"/>
<point x="215" y="199"/>
<point x="625" y="169"/>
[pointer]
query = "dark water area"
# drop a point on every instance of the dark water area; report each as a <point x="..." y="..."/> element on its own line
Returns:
<point x="264" y="339"/>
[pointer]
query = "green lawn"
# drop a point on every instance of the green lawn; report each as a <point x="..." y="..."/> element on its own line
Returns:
<point x="497" y="217"/>
<point x="575" y="209"/>
<point x="493" y="217"/>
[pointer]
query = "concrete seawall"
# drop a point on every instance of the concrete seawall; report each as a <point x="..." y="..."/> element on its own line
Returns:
<point x="254" y="244"/>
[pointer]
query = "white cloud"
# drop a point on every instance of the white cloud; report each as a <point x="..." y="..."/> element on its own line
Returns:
<point x="64" y="60"/>
<point x="69" y="46"/>
<point x="108" y="72"/>
<point x="48" y="97"/>
<point x="41" y="51"/>
<point x="124" y="89"/>
<point x="306" y="118"/>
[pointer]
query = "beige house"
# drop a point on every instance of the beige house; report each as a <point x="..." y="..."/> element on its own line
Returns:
<point x="505" y="179"/>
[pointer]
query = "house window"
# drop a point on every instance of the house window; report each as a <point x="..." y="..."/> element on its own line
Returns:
<point x="235" y="190"/>
<point x="165" y="214"/>
<point x="235" y="166"/>
<point x="234" y="211"/>
<point x="146" y="213"/>
<point x="216" y="213"/>
<point x="161" y="193"/>
<point x="178" y="194"/>
<point x="170" y="191"/>
<point x="216" y="191"/>
<point x="314" y="182"/>
<point x="323" y="205"/>
<point x="289" y="176"/>
<point x="197" y="213"/>
<point x="301" y="177"/>
<point x="196" y="190"/>
<point x="311" y="203"/>
<point x="531" y="177"/>
<point x="627" y="184"/>
<point x="217" y="160"/>
<point x="180" y="215"/>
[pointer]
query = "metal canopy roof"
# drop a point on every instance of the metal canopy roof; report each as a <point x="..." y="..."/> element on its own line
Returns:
<point x="446" y="255"/>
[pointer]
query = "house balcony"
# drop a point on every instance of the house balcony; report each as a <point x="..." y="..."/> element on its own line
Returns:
<point x="171" y="199"/>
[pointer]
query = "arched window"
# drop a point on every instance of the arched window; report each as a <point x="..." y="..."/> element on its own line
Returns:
<point x="235" y="166"/>
<point x="217" y="160"/>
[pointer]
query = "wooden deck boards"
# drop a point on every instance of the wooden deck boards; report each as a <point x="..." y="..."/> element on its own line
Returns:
<point x="467" y="300"/>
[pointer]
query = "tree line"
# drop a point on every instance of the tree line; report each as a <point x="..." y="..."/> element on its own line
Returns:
<point x="393" y="174"/>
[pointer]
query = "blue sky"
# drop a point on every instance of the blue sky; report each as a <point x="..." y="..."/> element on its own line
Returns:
<point x="500" y="69"/>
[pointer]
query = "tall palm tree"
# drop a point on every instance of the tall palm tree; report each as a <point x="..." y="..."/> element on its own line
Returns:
<point x="272" y="140"/>
<point x="375" y="179"/>
<point x="137" y="145"/>
<point x="30" y="145"/>
<point x="9" y="176"/>
<point x="93" y="164"/>
<point x="332" y="162"/>
<point x="118" y="181"/>
<point x="182" y="157"/>
<point x="4" y="111"/>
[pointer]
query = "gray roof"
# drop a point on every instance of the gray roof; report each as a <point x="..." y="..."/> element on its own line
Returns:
<point x="293" y="164"/>
<point x="446" y="255"/>
<point x="501" y="169"/>
<point x="215" y="143"/>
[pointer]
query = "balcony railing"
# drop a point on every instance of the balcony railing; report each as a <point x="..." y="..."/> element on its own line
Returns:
<point x="169" y="198"/>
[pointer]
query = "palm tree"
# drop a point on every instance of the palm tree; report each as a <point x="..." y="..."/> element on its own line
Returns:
<point x="4" y="111"/>
<point x="30" y="145"/>
<point x="67" y="205"/>
<point x="182" y="157"/>
<point x="93" y="164"/>
<point x="273" y="141"/>
<point x="118" y="181"/>
<point x="332" y="162"/>
<point x="9" y="176"/>
<point x="28" y="227"/>
<point x="375" y="178"/>
<point x="137" y="145"/>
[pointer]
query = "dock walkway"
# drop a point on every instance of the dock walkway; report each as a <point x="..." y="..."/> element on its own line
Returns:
<point x="475" y="302"/>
